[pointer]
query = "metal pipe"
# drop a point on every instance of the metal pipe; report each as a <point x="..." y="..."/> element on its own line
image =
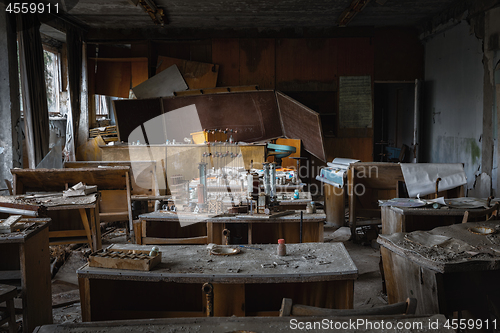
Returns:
<point x="16" y="211"/>
<point x="272" y="176"/>
<point x="267" y="179"/>
<point x="208" y="289"/>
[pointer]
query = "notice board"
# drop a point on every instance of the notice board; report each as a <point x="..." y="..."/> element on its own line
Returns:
<point x="355" y="102"/>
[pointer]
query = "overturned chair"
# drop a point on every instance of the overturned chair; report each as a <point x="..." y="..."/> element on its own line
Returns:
<point x="297" y="310"/>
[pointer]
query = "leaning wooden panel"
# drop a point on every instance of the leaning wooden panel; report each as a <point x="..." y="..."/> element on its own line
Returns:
<point x="198" y="75"/>
<point x="300" y="122"/>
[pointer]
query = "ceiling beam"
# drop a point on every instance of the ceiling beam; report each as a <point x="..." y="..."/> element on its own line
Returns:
<point x="348" y="14"/>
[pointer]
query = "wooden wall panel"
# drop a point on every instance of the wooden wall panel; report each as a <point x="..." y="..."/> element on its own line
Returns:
<point x="358" y="148"/>
<point x="257" y="62"/>
<point x="306" y="64"/>
<point x="198" y="75"/>
<point x="355" y="56"/>
<point x="139" y="72"/>
<point x="399" y="55"/>
<point x="226" y="53"/>
<point x="112" y="78"/>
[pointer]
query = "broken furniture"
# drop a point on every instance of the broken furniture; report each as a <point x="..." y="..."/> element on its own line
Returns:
<point x="113" y="183"/>
<point x="408" y="219"/>
<point x="68" y="215"/>
<point x="144" y="185"/>
<point x="26" y="257"/>
<point x="261" y="325"/>
<point x="373" y="181"/>
<point x="289" y="309"/>
<point x="448" y="269"/>
<point x="250" y="283"/>
<point x="7" y="295"/>
<point x="165" y="227"/>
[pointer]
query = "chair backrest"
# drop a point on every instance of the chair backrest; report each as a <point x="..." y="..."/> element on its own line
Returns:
<point x="483" y="214"/>
<point x="288" y="309"/>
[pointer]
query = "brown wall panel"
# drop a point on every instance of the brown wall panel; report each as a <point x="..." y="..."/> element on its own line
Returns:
<point x="257" y="62"/>
<point x="306" y="64"/>
<point x="198" y="75"/>
<point x="355" y="56"/>
<point x="112" y="78"/>
<point x="399" y="55"/>
<point x="358" y="148"/>
<point x="226" y="53"/>
<point x="139" y="72"/>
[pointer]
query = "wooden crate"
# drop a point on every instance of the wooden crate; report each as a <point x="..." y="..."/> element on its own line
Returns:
<point x="138" y="260"/>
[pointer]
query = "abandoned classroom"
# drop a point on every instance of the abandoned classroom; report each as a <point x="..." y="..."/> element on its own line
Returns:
<point x="249" y="165"/>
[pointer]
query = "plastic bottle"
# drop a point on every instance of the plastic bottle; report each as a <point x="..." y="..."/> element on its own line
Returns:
<point x="281" y="247"/>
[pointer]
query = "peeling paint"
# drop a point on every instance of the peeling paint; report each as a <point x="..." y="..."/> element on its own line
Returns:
<point x="474" y="150"/>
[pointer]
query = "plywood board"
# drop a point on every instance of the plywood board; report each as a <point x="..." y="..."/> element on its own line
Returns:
<point x="257" y="62"/>
<point x="254" y="114"/>
<point x="300" y="122"/>
<point x="226" y="53"/>
<point x="112" y="78"/>
<point x="162" y="84"/>
<point x="198" y="75"/>
<point x="355" y="102"/>
<point x="131" y="113"/>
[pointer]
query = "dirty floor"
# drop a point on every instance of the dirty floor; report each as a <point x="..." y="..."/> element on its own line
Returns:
<point x="65" y="295"/>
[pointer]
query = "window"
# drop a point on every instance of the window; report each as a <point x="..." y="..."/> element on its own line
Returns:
<point x="52" y="79"/>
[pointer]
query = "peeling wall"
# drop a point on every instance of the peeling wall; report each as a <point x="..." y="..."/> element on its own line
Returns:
<point x="452" y="119"/>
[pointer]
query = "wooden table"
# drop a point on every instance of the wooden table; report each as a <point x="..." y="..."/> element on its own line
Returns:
<point x="25" y="255"/>
<point x="443" y="281"/>
<point x="68" y="216"/>
<point x="238" y="324"/>
<point x="241" y="285"/>
<point x="397" y="219"/>
<point x="164" y="228"/>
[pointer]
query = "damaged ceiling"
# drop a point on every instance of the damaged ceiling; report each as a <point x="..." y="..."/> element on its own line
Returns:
<point x="251" y="14"/>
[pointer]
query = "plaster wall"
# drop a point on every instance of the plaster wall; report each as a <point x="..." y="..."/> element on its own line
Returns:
<point x="452" y="117"/>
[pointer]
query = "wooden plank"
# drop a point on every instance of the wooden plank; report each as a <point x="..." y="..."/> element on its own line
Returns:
<point x="229" y="300"/>
<point x="68" y="233"/>
<point x="257" y="62"/>
<point x="355" y="56"/>
<point x="9" y="224"/>
<point x="86" y="225"/>
<point x="334" y="205"/>
<point x="198" y="75"/>
<point x="190" y="240"/>
<point x="36" y="281"/>
<point x="85" y="300"/>
<point x="306" y="64"/>
<point x="56" y="179"/>
<point x="129" y="203"/>
<point x="405" y="278"/>
<point x="226" y="53"/>
<point x="96" y="226"/>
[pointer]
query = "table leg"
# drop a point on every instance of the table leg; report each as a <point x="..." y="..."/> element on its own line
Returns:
<point x="85" y="221"/>
<point x="96" y="227"/>
<point x="36" y="281"/>
<point x="84" y="285"/>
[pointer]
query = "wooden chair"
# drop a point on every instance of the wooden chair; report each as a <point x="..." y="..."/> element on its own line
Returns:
<point x="7" y="295"/>
<point x="403" y="308"/>
<point x="483" y="214"/>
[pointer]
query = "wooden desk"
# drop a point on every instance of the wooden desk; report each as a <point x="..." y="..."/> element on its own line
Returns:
<point x="27" y="252"/>
<point x="68" y="216"/>
<point x="112" y="182"/>
<point x="238" y="324"/>
<point x="396" y="219"/>
<point x="241" y="286"/>
<point x="164" y="228"/>
<point x="441" y="281"/>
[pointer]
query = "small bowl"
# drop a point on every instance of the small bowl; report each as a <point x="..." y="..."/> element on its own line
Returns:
<point x="225" y="251"/>
<point x="482" y="230"/>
